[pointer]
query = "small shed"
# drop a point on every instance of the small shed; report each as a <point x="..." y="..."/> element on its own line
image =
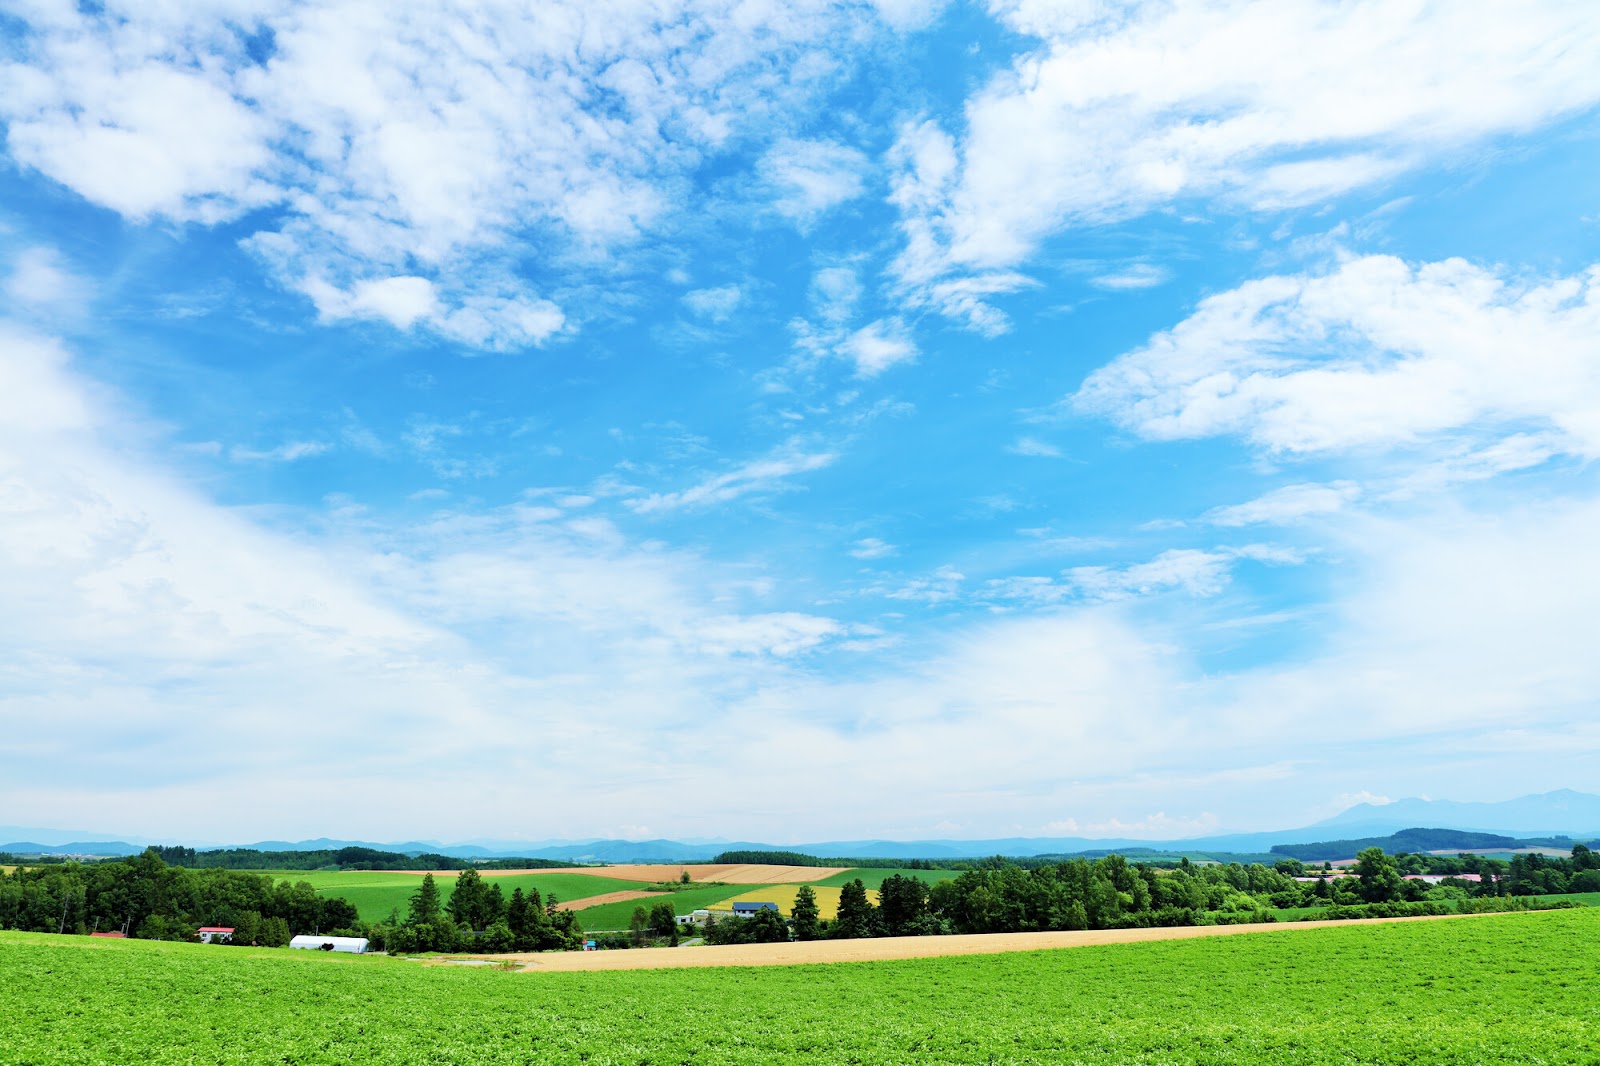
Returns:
<point x="216" y="934"/>
<point x="355" y="945"/>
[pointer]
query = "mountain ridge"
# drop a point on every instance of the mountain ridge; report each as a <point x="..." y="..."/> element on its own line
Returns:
<point x="1563" y="812"/>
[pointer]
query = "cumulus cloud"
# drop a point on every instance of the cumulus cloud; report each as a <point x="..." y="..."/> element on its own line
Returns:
<point x="878" y="346"/>
<point x="1375" y="353"/>
<point x="409" y="145"/>
<point x="1270" y="103"/>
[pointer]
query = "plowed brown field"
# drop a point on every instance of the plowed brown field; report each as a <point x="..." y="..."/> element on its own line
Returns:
<point x="608" y="897"/>
<point x="908" y="947"/>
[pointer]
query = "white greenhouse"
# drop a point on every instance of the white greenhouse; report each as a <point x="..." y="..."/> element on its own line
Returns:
<point x="356" y="945"/>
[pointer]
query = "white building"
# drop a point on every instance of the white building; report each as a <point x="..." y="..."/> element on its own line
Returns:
<point x="356" y="945"/>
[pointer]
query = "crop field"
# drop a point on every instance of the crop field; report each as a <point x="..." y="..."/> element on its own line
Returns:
<point x="375" y="894"/>
<point x="724" y="873"/>
<point x="874" y="878"/>
<point x="617" y="915"/>
<point x="1514" y="988"/>
<point x="783" y="896"/>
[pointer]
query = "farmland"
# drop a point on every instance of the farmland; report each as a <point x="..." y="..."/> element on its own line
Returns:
<point x="617" y="915"/>
<point x="874" y="878"/>
<point x="1517" y="988"/>
<point x="375" y="894"/>
<point x="783" y="896"/>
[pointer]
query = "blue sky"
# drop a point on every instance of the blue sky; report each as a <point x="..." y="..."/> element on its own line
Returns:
<point x="794" y="421"/>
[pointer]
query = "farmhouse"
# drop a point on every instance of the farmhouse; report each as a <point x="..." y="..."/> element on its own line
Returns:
<point x="744" y="910"/>
<point x="216" y="934"/>
<point x="355" y="945"/>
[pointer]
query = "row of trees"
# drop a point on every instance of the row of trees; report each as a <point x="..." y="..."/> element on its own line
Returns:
<point x="478" y="918"/>
<point x="349" y="858"/>
<point x="1110" y="892"/>
<point x="144" y="897"/>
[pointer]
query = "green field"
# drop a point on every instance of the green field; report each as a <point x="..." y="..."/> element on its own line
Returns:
<point x="1515" y="988"/>
<point x="618" y="915"/>
<point x="874" y="878"/>
<point x="376" y="894"/>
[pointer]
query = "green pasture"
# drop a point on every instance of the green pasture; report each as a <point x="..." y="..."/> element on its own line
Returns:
<point x="874" y="878"/>
<point x="1505" y="988"/>
<point x="618" y="915"/>
<point x="376" y="894"/>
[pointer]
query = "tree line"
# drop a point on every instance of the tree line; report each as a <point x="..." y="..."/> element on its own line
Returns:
<point x="350" y="858"/>
<point x="479" y="917"/>
<point x="144" y="897"/>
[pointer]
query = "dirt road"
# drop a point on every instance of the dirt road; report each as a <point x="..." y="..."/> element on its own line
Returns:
<point x="894" y="947"/>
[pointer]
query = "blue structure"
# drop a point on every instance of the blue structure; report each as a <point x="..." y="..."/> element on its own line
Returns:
<point x="745" y="909"/>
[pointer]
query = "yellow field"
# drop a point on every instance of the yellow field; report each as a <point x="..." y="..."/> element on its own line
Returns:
<point x="783" y="896"/>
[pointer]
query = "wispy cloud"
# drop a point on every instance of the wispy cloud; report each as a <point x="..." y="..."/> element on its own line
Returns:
<point x="283" y="453"/>
<point x="1118" y="113"/>
<point x="1035" y="447"/>
<point x="1288" y="504"/>
<point x="759" y="476"/>
<point x="714" y="304"/>
<point x="872" y="548"/>
<point x="809" y="178"/>
<point x="1137" y="276"/>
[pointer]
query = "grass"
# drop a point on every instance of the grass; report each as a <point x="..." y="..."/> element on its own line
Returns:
<point x="618" y="915"/>
<point x="874" y="878"/>
<point x="1516" y="988"/>
<point x="376" y="894"/>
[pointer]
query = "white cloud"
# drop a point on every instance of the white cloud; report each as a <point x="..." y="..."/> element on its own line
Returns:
<point x="878" y="346"/>
<point x="494" y="650"/>
<point x="1288" y="504"/>
<point x="425" y="142"/>
<point x="400" y="301"/>
<point x="835" y="292"/>
<point x="872" y="548"/>
<point x="284" y="453"/>
<point x="1198" y="573"/>
<point x="1137" y="276"/>
<point x="809" y="178"/>
<point x="39" y="280"/>
<point x="714" y="304"/>
<point x="1267" y="103"/>
<point x="1376" y="353"/>
<point x="1191" y="571"/>
<point x="1035" y="447"/>
<point x="758" y="477"/>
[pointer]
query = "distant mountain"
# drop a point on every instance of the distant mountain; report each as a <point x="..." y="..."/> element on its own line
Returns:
<point x="1560" y="813"/>
<point x="96" y="848"/>
<point x="1563" y="812"/>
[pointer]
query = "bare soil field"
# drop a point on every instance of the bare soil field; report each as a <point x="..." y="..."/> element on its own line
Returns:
<point x="609" y="897"/>
<point x="725" y="873"/>
<point x="907" y="947"/>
